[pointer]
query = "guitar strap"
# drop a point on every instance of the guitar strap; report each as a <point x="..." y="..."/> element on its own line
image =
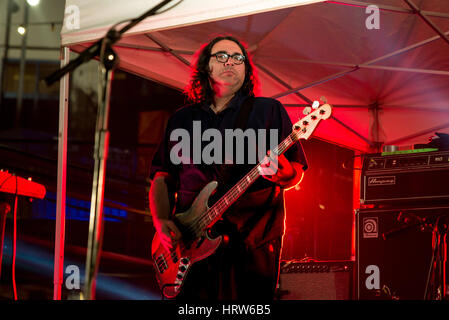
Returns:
<point x="241" y="122"/>
<point x="243" y="116"/>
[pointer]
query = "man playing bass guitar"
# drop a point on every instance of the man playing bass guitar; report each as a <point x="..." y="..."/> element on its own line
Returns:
<point x="245" y="264"/>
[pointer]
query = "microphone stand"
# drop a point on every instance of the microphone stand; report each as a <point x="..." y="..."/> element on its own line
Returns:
<point x="108" y="61"/>
<point x="94" y="50"/>
<point x="436" y="277"/>
<point x="95" y="237"/>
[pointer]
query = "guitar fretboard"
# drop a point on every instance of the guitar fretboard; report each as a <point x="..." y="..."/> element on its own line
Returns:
<point x="216" y="211"/>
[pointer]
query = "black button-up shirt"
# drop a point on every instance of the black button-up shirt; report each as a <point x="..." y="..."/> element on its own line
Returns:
<point x="191" y="177"/>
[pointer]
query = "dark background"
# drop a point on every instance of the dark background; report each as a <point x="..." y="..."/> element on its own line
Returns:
<point x="319" y="215"/>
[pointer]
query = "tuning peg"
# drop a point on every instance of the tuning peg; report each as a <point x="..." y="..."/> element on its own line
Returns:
<point x="315" y="104"/>
<point x="323" y="99"/>
<point x="307" y="110"/>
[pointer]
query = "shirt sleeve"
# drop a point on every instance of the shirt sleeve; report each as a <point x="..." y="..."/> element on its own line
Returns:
<point x="295" y="152"/>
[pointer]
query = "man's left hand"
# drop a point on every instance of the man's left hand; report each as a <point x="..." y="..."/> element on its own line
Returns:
<point x="279" y="170"/>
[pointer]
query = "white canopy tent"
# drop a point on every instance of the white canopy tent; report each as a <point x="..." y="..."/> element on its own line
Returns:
<point x="388" y="85"/>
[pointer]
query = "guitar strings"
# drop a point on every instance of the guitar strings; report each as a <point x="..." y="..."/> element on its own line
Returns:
<point x="253" y="174"/>
<point x="205" y="220"/>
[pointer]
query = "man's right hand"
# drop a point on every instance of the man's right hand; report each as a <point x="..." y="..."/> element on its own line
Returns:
<point x="168" y="233"/>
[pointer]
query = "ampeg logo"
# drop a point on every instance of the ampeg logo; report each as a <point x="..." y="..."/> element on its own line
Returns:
<point x="370" y="227"/>
<point x="381" y="181"/>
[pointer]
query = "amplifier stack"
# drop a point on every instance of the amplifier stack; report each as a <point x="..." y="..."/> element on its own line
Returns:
<point x="401" y="239"/>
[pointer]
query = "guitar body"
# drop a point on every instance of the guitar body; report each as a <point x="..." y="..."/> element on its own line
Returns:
<point x="172" y="267"/>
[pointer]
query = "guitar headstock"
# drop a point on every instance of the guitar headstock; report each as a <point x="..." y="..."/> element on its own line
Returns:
<point x="305" y="126"/>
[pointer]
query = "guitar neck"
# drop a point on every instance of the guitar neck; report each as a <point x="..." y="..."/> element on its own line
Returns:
<point x="216" y="211"/>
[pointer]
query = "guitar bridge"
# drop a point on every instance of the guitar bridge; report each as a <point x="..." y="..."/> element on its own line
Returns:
<point x="161" y="264"/>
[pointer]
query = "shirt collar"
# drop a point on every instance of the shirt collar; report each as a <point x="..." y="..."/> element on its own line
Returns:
<point x="235" y="102"/>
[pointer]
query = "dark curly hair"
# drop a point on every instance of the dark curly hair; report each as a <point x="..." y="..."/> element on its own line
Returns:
<point x="199" y="88"/>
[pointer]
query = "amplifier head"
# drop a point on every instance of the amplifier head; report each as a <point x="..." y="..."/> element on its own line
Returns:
<point x="408" y="177"/>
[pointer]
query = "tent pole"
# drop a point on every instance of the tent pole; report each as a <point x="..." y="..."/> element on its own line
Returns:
<point x="23" y="49"/>
<point x="386" y="68"/>
<point x="343" y="73"/>
<point x="435" y="14"/>
<point x="307" y="100"/>
<point x="369" y="63"/>
<point x="282" y="82"/>
<point x="389" y="55"/>
<point x="375" y="128"/>
<point x="417" y="11"/>
<point x="362" y="66"/>
<point x="368" y="142"/>
<point x="148" y="48"/>
<point x="62" y="176"/>
<point x="167" y="49"/>
<point x="7" y="47"/>
<point x="411" y="47"/>
<point x="268" y="34"/>
<point x="314" y="83"/>
<point x="340" y="74"/>
<point x="356" y="178"/>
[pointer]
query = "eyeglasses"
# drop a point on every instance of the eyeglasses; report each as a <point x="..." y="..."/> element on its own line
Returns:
<point x="223" y="57"/>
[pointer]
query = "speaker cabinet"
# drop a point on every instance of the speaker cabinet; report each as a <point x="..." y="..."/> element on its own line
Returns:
<point x="394" y="251"/>
<point x="321" y="280"/>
